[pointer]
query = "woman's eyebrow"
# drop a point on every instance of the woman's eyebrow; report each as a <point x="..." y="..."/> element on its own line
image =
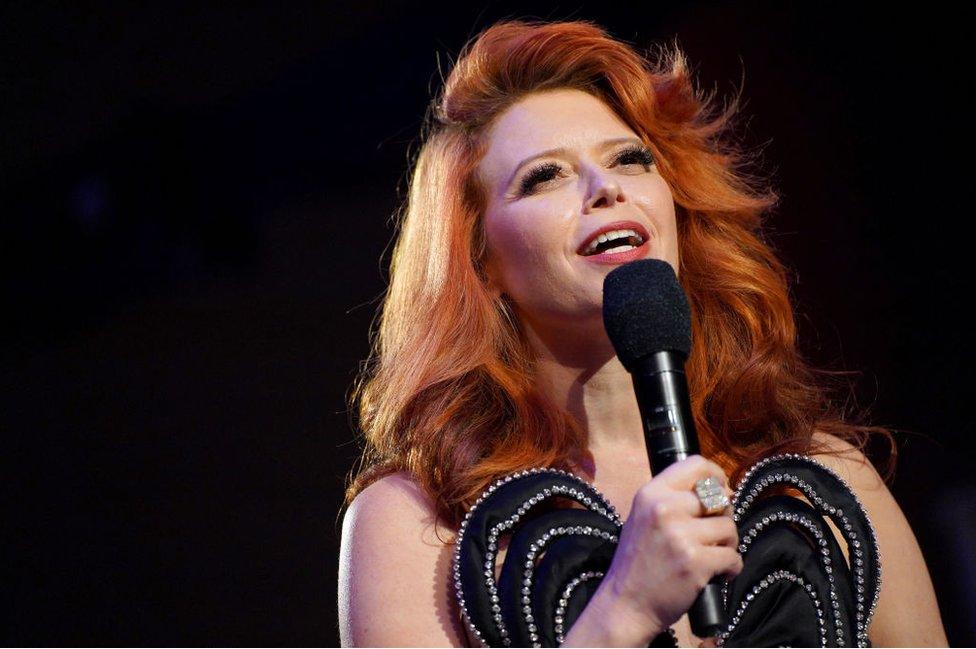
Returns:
<point x="562" y="150"/>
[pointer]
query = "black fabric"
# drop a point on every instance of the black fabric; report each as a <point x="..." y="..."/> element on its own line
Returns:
<point x="497" y="505"/>
<point x="796" y="589"/>
<point x="565" y="558"/>
<point x="788" y="547"/>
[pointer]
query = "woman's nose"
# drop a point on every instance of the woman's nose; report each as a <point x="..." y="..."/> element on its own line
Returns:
<point x="604" y="192"/>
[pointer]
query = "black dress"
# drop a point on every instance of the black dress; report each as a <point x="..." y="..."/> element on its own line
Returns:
<point x="796" y="588"/>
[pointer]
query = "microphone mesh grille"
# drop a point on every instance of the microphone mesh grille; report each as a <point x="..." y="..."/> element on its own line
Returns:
<point x="645" y="310"/>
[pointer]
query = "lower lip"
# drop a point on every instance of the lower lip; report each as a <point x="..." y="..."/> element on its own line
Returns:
<point x="620" y="257"/>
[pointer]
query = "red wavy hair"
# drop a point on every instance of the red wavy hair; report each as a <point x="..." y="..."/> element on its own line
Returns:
<point x="448" y="393"/>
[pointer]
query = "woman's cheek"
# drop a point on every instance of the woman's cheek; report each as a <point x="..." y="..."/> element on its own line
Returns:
<point x="512" y="247"/>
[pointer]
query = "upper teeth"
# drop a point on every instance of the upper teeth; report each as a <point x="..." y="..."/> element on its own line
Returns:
<point x="607" y="236"/>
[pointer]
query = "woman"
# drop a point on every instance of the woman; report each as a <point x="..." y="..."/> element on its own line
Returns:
<point x="491" y="354"/>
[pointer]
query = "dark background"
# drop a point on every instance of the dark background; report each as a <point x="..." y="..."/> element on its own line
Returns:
<point x="196" y="209"/>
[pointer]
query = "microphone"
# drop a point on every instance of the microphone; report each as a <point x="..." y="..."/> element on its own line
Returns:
<point x="648" y="321"/>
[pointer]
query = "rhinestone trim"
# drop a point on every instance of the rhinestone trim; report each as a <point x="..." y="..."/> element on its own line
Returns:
<point x="534" y="550"/>
<point x="766" y="582"/>
<point x="601" y="506"/>
<point x="788" y="517"/>
<point x="564" y="600"/>
<point x="741" y="502"/>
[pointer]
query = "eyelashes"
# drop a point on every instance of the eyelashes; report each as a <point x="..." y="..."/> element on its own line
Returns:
<point x="541" y="173"/>
<point x="634" y="154"/>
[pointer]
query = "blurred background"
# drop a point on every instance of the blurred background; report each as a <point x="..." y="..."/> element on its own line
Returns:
<point x="196" y="204"/>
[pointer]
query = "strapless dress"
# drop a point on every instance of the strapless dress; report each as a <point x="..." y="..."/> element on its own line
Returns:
<point x="796" y="588"/>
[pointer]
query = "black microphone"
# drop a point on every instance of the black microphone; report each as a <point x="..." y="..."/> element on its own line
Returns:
<point x="648" y="321"/>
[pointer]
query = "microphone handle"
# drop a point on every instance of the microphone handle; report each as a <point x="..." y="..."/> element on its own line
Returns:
<point x="669" y="433"/>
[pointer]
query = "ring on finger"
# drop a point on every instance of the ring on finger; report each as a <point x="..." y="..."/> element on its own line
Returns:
<point x="711" y="495"/>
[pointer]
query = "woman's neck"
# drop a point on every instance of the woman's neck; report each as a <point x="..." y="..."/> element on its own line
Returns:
<point x="579" y="371"/>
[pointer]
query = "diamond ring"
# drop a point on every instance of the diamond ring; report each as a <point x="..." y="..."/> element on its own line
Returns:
<point x="711" y="495"/>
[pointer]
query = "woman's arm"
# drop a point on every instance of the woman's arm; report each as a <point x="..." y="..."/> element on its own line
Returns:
<point x="907" y="612"/>
<point x="393" y="571"/>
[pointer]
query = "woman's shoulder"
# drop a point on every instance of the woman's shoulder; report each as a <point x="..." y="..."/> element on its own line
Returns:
<point x="393" y="557"/>
<point x="395" y="503"/>
<point x="847" y="461"/>
<point x="400" y="486"/>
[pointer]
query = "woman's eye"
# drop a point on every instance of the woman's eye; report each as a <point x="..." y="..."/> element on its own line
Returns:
<point x="542" y="173"/>
<point x="635" y="155"/>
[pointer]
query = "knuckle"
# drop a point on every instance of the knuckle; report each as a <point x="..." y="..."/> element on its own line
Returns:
<point x="674" y="539"/>
<point x="684" y="558"/>
<point x="644" y="496"/>
<point x="719" y="473"/>
<point x="658" y="510"/>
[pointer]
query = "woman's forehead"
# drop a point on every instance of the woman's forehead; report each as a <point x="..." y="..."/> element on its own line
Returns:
<point x="565" y="118"/>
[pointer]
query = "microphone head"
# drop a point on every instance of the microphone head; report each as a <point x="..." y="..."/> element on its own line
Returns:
<point x="645" y="311"/>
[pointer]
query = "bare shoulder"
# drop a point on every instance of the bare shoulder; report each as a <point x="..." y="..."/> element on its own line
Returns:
<point x="907" y="612"/>
<point x="851" y="464"/>
<point x="397" y="500"/>
<point x="393" y="570"/>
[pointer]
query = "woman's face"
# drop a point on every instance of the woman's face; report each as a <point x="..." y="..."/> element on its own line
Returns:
<point x="543" y="206"/>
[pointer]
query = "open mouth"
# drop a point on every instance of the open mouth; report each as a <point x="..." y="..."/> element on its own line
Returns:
<point x="614" y="242"/>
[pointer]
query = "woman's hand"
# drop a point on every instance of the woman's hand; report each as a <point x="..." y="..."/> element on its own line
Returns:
<point x="668" y="550"/>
